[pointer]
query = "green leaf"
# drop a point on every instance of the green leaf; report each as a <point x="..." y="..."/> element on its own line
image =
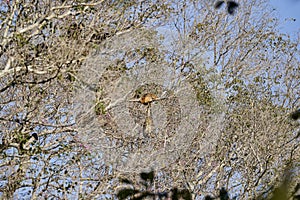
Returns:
<point x="147" y="176"/>
<point x="127" y="192"/>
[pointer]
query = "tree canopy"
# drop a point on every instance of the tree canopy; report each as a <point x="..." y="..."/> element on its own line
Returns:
<point x="223" y="113"/>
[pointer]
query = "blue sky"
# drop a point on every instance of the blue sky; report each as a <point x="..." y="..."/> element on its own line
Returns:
<point x="287" y="10"/>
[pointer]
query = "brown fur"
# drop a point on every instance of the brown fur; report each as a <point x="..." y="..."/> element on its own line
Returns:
<point x="148" y="98"/>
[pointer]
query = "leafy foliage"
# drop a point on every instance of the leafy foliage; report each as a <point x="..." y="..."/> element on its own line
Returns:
<point x="147" y="182"/>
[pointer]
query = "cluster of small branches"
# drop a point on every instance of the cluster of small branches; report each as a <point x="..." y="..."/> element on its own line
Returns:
<point x="72" y="75"/>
